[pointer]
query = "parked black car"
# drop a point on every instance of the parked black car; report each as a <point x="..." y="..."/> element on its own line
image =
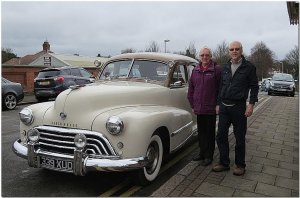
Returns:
<point x="282" y="83"/>
<point x="52" y="81"/>
<point x="12" y="94"/>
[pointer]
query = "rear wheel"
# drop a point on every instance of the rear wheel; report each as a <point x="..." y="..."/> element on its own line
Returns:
<point x="9" y="101"/>
<point x="154" y="154"/>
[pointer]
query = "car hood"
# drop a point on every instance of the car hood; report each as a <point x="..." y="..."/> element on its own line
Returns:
<point x="78" y="108"/>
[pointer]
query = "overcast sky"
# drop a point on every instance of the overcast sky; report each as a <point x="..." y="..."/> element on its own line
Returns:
<point x="90" y="28"/>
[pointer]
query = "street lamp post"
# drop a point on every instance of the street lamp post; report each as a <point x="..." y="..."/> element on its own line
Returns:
<point x="166" y="45"/>
<point x="281" y="66"/>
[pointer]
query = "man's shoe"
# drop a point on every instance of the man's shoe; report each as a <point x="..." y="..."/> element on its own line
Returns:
<point x="239" y="171"/>
<point x="205" y="162"/>
<point x="220" y="168"/>
<point x="198" y="158"/>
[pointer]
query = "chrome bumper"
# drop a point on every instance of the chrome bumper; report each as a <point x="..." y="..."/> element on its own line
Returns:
<point x="81" y="164"/>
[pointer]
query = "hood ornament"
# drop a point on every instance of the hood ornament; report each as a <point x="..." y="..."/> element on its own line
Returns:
<point x="63" y="116"/>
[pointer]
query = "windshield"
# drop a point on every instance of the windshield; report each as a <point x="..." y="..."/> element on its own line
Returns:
<point x="283" y="77"/>
<point x="150" y="70"/>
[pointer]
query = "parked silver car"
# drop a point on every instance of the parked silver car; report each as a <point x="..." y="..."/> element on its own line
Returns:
<point x="282" y="83"/>
<point x="12" y="94"/>
<point x="129" y="120"/>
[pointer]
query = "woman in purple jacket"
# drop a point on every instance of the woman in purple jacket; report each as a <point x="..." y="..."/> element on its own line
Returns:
<point x="202" y="95"/>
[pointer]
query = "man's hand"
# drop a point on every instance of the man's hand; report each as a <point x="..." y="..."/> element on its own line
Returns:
<point x="217" y="109"/>
<point x="249" y="110"/>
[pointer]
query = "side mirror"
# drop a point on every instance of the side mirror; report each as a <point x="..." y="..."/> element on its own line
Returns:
<point x="296" y="80"/>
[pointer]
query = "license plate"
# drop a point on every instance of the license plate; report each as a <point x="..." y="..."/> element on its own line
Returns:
<point x="44" y="83"/>
<point x="56" y="164"/>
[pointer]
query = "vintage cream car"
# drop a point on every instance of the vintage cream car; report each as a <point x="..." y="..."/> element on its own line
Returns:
<point x="134" y="115"/>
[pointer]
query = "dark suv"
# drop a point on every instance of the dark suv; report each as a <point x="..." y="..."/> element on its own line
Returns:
<point x="282" y="83"/>
<point x="51" y="81"/>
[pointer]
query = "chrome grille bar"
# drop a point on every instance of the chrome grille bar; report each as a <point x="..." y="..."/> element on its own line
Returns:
<point x="61" y="140"/>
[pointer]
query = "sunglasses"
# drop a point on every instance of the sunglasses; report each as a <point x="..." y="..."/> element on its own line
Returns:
<point x="236" y="49"/>
<point x="207" y="55"/>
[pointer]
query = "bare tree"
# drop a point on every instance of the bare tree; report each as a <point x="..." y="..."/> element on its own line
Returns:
<point x="153" y="47"/>
<point x="191" y="51"/>
<point x="291" y="62"/>
<point x="127" y="50"/>
<point x="220" y="54"/>
<point x="263" y="58"/>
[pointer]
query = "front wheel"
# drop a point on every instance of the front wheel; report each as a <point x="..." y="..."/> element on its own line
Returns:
<point x="154" y="154"/>
<point x="9" y="101"/>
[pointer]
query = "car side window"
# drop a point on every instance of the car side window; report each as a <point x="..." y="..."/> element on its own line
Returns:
<point x="75" y="72"/>
<point x="85" y="73"/>
<point x="190" y="70"/>
<point x="179" y="74"/>
<point x="66" y="72"/>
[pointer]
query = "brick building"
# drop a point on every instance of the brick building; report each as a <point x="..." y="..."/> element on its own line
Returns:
<point x="25" y="69"/>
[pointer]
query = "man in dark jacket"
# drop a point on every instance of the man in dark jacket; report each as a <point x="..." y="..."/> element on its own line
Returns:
<point x="238" y="76"/>
<point x="202" y="95"/>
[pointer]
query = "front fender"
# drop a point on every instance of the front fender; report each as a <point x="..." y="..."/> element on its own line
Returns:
<point x="39" y="110"/>
<point x="140" y="122"/>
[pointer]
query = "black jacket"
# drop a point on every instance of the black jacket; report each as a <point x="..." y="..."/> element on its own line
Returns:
<point x="235" y="89"/>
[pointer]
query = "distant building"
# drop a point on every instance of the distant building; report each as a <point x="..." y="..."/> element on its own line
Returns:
<point x="25" y="69"/>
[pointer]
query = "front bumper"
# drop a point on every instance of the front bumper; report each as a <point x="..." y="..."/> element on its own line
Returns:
<point x="81" y="163"/>
<point x="281" y="90"/>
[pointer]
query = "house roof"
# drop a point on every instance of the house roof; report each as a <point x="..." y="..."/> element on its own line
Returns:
<point x="26" y="60"/>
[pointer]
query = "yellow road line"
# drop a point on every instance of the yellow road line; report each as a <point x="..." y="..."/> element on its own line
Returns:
<point x="130" y="192"/>
<point x="115" y="189"/>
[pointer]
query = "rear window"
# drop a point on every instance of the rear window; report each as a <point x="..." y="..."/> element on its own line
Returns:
<point x="48" y="73"/>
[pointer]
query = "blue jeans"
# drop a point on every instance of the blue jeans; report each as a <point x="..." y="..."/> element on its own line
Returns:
<point x="232" y="115"/>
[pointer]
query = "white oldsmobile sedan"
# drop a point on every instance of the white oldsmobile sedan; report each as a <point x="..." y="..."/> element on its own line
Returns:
<point x="130" y="119"/>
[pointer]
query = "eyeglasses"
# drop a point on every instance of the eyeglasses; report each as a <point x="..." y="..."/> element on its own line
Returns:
<point x="236" y="49"/>
<point x="207" y="55"/>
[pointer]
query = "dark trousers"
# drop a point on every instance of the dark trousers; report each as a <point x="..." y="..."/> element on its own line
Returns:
<point x="206" y="135"/>
<point x="232" y="115"/>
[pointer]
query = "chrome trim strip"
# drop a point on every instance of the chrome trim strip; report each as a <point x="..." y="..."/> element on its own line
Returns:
<point x="179" y="146"/>
<point x="182" y="128"/>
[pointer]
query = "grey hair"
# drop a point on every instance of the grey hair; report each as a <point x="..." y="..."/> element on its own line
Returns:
<point x="207" y="48"/>
<point x="237" y="42"/>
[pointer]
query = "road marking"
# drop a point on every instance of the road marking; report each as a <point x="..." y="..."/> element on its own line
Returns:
<point x="115" y="189"/>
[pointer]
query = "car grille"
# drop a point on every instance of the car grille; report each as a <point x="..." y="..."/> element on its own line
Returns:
<point x="281" y="86"/>
<point x="61" y="140"/>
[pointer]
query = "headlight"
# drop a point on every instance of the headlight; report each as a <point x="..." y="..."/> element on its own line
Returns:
<point x="33" y="135"/>
<point x="292" y="86"/>
<point x="114" y="125"/>
<point x="26" y="116"/>
<point x="80" y="141"/>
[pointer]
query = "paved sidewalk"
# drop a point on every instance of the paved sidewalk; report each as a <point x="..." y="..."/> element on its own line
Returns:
<point x="272" y="158"/>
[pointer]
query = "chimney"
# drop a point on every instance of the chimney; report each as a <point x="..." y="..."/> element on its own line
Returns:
<point x="46" y="46"/>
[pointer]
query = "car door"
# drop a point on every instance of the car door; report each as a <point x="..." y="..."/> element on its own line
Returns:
<point x="178" y="91"/>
